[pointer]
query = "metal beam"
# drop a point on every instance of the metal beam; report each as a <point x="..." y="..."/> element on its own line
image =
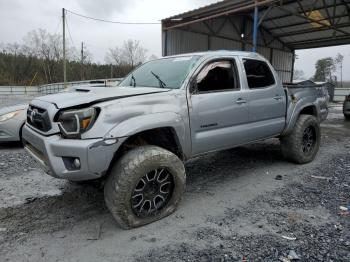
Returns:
<point x="229" y="38"/>
<point x="334" y="9"/>
<point x="263" y="37"/>
<point x="208" y="27"/>
<point x="221" y="26"/>
<point x="255" y="26"/>
<point x="292" y="71"/>
<point x="347" y="7"/>
<point x="270" y="34"/>
<point x="311" y="30"/>
<point x="264" y="14"/>
<point x="232" y="11"/>
<point x="327" y="12"/>
<point x="311" y="20"/>
<point x="327" y="43"/>
<point x="243" y="29"/>
<point x="318" y="40"/>
<point x="234" y="27"/>
<point x="302" y="23"/>
<point x="315" y="9"/>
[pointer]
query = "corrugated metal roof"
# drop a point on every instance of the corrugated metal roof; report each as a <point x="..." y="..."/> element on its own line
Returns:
<point x="298" y="24"/>
<point x="207" y="8"/>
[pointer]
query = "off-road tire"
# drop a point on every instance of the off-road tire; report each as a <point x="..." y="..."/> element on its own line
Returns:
<point x="292" y="144"/>
<point x="127" y="172"/>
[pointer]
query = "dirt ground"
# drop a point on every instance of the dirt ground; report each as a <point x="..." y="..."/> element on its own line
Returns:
<point x="244" y="203"/>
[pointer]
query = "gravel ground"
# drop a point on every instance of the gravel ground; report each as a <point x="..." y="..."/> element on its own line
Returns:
<point x="244" y="203"/>
<point x="306" y="211"/>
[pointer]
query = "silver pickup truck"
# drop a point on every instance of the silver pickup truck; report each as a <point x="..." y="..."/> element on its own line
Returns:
<point x="136" y="137"/>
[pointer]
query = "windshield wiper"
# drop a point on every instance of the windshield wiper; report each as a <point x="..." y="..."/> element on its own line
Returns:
<point x="134" y="80"/>
<point x="161" y="83"/>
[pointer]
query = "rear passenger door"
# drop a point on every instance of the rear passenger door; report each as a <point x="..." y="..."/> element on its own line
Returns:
<point x="218" y="108"/>
<point x="267" y="100"/>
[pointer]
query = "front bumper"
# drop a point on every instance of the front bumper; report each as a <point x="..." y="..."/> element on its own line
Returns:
<point x="52" y="152"/>
<point x="10" y="130"/>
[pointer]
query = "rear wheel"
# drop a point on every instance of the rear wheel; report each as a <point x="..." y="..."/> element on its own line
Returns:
<point x="145" y="185"/>
<point x="301" y="146"/>
<point x="347" y="117"/>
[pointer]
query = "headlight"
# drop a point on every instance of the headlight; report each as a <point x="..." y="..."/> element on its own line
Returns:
<point x="73" y="123"/>
<point x="9" y="115"/>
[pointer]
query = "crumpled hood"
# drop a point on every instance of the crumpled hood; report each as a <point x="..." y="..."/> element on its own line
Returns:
<point x="87" y="95"/>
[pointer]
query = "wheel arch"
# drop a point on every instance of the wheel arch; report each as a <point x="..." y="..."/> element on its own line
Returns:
<point x="164" y="137"/>
<point x="309" y="110"/>
<point x="304" y="109"/>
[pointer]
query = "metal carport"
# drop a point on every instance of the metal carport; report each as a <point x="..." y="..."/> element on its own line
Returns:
<point x="274" y="28"/>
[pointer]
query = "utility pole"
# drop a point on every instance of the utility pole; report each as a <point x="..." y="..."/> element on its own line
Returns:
<point x="111" y="70"/>
<point x="255" y="26"/>
<point x="64" y="47"/>
<point x="82" y="62"/>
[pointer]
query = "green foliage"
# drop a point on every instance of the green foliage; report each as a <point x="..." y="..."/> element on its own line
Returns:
<point x="39" y="61"/>
<point x="22" y="69"/>
<point x="324" y="69"/>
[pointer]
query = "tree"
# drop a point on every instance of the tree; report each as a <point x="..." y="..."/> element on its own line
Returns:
<point x="133" y="53"/>
<point x="338" y="61"/>
<point x="126" y="57"/>
<point x="298" y="74"/>
<point x="48" y="48"/>
<point x="324" y="69"/>
<point x="114" y="56"/>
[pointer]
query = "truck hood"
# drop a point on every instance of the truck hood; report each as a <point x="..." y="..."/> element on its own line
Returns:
<point x="91" y="95"/>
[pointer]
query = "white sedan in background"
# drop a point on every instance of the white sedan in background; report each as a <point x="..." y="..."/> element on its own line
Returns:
<point x="12" y="120"/>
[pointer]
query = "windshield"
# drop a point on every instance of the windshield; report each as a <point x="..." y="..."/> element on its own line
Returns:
<point x="162" y="73"/>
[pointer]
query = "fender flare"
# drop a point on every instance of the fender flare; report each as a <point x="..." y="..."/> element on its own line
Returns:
<point x="299" y="106"/>
<point x="140" y="123"/>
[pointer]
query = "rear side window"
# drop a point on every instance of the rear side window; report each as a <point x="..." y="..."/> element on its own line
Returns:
<point x="258" y="73"/>
<point x="217" y="76"/>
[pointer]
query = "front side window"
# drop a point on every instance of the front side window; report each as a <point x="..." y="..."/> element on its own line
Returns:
<point x="258" y="73"/>
<point x="163" y="73"/>
<point x="217" y="76"/>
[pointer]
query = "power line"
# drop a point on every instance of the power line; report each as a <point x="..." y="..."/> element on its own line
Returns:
<point x="57" y="26"/>
<point x="113" y="22"/>
<point x="70" y="36"/>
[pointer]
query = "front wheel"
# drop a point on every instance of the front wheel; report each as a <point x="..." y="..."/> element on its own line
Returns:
<point x="145" y="185"/>
<point x="301" y="146"/>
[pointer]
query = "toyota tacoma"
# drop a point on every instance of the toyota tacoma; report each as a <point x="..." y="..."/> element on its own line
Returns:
<point x="136" y="137"/>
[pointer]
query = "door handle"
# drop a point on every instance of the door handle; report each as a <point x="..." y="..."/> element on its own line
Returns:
<point x="278" y="97"/>
<point x="241" y="101"/>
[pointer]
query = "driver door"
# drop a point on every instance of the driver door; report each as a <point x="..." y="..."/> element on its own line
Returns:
<point x="219" y="109"/>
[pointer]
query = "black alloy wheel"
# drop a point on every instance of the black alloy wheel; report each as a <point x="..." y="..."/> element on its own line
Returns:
<point x="309" y="139"/>
<point x="152" y="193"/>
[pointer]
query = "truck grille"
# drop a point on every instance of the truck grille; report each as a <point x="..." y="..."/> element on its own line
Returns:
<point x="38" y="118"/>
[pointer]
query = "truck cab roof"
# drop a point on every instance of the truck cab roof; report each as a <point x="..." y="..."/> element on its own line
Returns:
<point x="221" y="53"/>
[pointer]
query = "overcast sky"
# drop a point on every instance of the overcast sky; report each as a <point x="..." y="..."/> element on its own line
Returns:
<point x="21" y="16"/>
